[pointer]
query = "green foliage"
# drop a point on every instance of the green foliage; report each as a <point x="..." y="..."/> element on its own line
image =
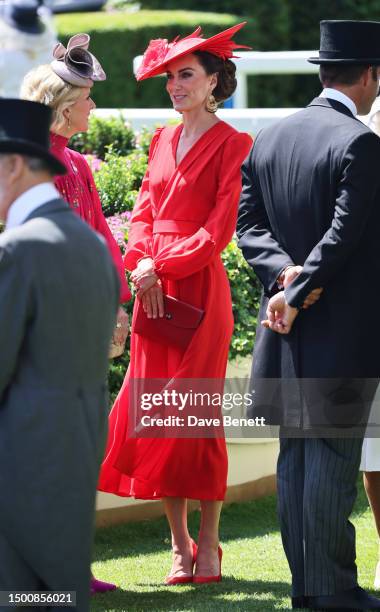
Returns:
<point x="117" y="37"/>
<point x="122" y="5"/>
<point x="116" y="374"/>
<point x="269" y="19"/>
<point x="245" y="293"/>
<point x="143" y="139"/>
<point x="282" y="25"/>
<point x="119" y="180"/>
<point x="102" y="133"/>
<point x="119" y="365"/>
<point x="241" y="7"/>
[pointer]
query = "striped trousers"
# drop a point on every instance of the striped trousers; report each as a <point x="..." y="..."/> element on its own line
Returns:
<point x="316" y="481"/>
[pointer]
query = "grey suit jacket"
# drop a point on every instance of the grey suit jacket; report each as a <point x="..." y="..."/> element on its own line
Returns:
<point x="58" y="300"/>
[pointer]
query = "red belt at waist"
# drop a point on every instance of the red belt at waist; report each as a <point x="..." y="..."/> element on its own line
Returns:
<point x="172" y="226"/>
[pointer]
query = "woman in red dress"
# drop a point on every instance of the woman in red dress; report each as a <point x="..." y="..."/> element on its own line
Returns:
<point x="184" y="217"/>
<point x="65" y="85"/>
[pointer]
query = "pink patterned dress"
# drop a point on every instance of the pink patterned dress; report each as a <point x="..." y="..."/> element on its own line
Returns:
<point x="78" y="188"/>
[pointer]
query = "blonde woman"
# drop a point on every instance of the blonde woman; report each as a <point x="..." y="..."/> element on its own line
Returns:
<point x="65" y="85"/>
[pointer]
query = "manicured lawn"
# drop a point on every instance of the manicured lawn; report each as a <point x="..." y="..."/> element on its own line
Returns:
<point x="136" y="556"/>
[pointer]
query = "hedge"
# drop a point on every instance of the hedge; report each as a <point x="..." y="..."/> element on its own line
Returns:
<point x="298" y="21"/>
<point x="272" y="25"/>
<point x="270" y="18"/>
<point x="116" y="38"/>
<point x="282" y="25"/>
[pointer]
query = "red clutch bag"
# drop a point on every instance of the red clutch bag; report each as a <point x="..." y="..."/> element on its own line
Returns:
<point x="176" y="327"/>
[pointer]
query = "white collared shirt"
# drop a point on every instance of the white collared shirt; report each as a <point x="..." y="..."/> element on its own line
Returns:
<point x="27" y="202"/>
<point x="339" y="96"/>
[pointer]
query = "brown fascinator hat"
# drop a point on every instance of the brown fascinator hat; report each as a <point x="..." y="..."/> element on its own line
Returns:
<point x="76" y="65"/>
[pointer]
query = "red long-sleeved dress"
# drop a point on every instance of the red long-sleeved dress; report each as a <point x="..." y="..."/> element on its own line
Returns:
<point x="78" y="188"/>
<point x="184" y="217"/>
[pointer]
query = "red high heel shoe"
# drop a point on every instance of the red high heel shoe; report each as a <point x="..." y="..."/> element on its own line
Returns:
<point x="172" y="580"/>
<point x="218" y="578"/>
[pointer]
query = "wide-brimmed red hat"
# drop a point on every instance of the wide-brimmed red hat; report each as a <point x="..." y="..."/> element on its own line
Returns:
<point x="160" y="52"/>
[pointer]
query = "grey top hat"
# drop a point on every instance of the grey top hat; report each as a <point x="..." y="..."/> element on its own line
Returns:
<point x="349" y="42"/>
<point x="23" y="15"/>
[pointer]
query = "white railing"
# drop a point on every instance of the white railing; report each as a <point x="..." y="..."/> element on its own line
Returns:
<point x="243" y="119"/>
<point x="268" y="62"/>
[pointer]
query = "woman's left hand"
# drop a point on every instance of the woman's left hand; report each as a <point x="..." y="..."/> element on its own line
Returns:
<point x="146" y="283"/>
<point x="153" y="302"/>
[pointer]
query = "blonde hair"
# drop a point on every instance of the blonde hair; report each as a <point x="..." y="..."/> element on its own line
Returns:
<point x="43" y="85"/>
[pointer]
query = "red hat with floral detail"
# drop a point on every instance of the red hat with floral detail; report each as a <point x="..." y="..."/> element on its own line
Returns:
<point x="160" y="52"/>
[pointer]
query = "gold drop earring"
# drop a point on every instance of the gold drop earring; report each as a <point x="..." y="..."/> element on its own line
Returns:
<point x="211" y="104"/>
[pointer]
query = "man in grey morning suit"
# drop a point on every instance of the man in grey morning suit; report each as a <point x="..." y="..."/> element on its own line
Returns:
<point x="58" y="301"/>
<point x="309" y="219"/>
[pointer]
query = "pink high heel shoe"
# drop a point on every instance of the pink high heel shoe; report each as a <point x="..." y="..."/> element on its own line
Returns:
<point x="218" y="578"/>
<point x="173" y="580"/>
<point x="99" y="586"/>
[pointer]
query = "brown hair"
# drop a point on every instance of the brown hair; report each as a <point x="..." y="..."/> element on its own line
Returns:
<point x="225" y="71"/>
<point x="343" y="74"/>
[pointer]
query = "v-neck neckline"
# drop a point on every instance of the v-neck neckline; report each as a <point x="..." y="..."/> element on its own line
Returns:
<point x="178" y="136"/>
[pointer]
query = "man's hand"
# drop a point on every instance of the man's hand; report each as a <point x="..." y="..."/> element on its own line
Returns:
<point x="121" y="330"/>
<point x="312" y="297"/>
<point x="280" y="315"/>
<point x="289" y="275"/>
<point x="153" y="302"/>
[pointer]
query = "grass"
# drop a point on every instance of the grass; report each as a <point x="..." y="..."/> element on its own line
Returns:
<point x="136" y="556"/>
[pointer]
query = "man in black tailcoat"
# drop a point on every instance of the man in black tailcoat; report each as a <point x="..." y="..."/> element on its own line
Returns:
<point x="309" y="221"/>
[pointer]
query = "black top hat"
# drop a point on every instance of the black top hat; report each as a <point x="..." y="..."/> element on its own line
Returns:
<point x="349" y="42"/>
<point x="23" y="15"/>
<point x="24" y="129"/>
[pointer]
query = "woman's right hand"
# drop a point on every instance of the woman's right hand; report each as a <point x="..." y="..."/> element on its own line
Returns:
<point x="144" y="269"/>
<point x="153" y="302"/>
